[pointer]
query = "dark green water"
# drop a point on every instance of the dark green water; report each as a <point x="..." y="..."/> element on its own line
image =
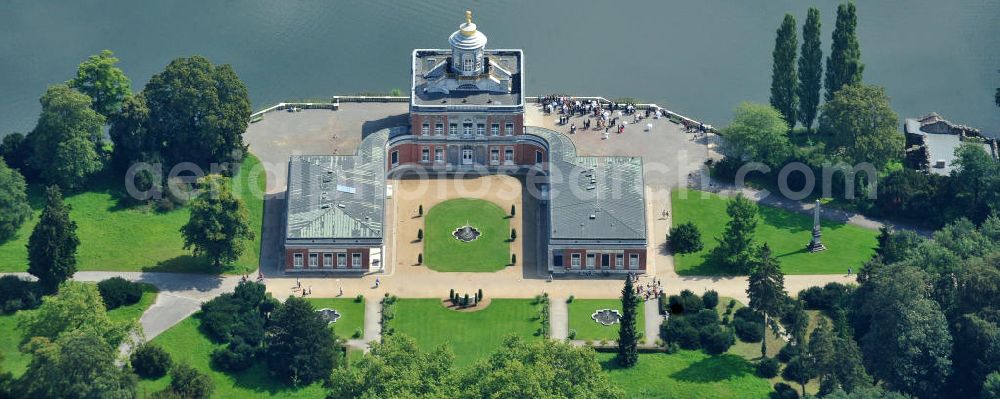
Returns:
<point x="699" y="57"/>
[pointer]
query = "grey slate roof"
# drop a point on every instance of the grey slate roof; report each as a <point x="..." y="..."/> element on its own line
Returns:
<point x="435" y="63"/>
<point x="593" y="198"/>
<point x="338" y="196"/>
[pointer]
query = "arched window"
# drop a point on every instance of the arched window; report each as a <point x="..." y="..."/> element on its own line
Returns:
<point x="468" y="63"/>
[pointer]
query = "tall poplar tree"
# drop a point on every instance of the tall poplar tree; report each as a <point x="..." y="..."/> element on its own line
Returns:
<point x="810" y="69"/>
<point x="766" y="289"/>
<point x="783" y="75"/>
<point x="628" y="353"/>
<point x="843" y="66"/>
<point x="52" y="245"/>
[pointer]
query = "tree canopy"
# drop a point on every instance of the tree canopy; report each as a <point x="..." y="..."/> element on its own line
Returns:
<point x="396" y="368"/>
<point x="810" y="69"/>
<point x="784" y="78"/>
<point x="219" y="222"/>
<point x="76" y="365"/>
<point x="843" y="66"/>
<point x="766" y="290"/>
<point x="758" y="133"/>
<point x="628" y="340"/>
<point x="100" y="78"/>
<point x="77" y="306"/>
<point x="52" y="244"/>
<point x="197" y="112"/>
<point x="14" y="207"/>
<point x="736" y="243"/>
<point x="301" y="348"/>
<point x="860" y="121"/>
<point x="67" y="142"/>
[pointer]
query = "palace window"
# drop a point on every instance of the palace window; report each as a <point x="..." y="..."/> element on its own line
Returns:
<point x="297" y="261"/>
<point x="438" y="129"/>
<point x="494" y="156"/>
<point x="495" y="129"/>
<point x="480" y="129"/>
<point x="313" y="260"/>
<point x="341" y="260"/>
<point x="356" y="260"/>
<point x="425" y="130"/>
<point x="508" y="155"/>
<point x="468" y="63"/>
<point x="508" y="129"/>
<point x="438" y="155"/>
<point x="394" y="158"/>
<point x="619" y="261"/>
<point x="327" y="260"/>
<point x="538" y="157"/>
<point x="425" y="154"/>
<point x="453" y="128"/>
<point x="591" y="261"/>
<point x="574" y="261"/>
<point x="467" y="129"/>
<point x="633" y="261"/>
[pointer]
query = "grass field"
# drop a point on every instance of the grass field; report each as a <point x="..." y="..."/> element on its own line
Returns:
<point x="16" y="362"/>
<point x="471" y="335"/>
<point x="586" y="328"/>
<point x="488" y="253"/>
<point x="188" y="345"/>
<point x="686" y="374"/>
<point x="787" y="233"/>
<point x="352" y="314"/>
<point x="114" y="237"/>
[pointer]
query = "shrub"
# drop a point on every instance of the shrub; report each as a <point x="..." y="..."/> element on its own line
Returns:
<point x="710" y="299"/>
<point x="570" y="299"/>
<point x="827" y="298"/>
<point x="673" y="348"/>
<point x="17" y="294"/>
<point x="237" y="356"/>
<point x="513" y="259"/>
<point x="513" y="234"/>
<point x="784" y="391"/>
<point x="420" y="258"/>
<point x="360" y="298"/>
<point x="117" y="292"/>
<point x="718" y="341"/>
<point x="748" y="331"/>
<point x="479" y="295"/>
<point x="357" y="333"/>
<point x="685" y="238"/>
<point x="768" y="367"/>
<point x="749" y="315"/>
<point x="679" y="331"/>
<point x="187" y="382"/>
<point x="685" y="303"/>
<point x="150" y="361"/>
<point x="704" y="318"/>
<point x="571" y="334"/>
<point x="788" y="352"/>
<point x="420" y="234"/>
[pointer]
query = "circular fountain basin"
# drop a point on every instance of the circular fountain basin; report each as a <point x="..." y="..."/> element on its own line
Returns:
<point x="329" y="315"/>
<point x="606" y="316"/>
<point x="466" y="233"/>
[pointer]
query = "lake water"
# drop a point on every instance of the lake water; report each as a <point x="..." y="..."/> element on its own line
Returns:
<point x="699" y="58"/>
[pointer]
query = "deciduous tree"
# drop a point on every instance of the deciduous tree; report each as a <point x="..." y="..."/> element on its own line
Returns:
<point x="784" y="96"/>
<point x="14" y="208"/>
<point x="77" y="365"/>
<point x="685" y="238"/>
<point x="67" y="142"/>
<point x="76" y="306"/>
<point x="219" y="223"/>
<point x="396" y="368"/>
<point x="810" y="69"/>
<point x="100" y="78"/>
<point x="52" y="244"/>
<point x="843" y="66"/>
<point x="860" y="121"/>
<point x="758" y="133"/>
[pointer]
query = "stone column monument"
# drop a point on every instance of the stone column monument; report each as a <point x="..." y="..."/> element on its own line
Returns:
<point x="816" y="245"/>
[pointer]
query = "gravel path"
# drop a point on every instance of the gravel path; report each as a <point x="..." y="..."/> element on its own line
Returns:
<point x="558" y="318"/>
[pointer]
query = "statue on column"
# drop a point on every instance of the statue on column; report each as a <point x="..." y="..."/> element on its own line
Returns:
<point x="816" y="245"/>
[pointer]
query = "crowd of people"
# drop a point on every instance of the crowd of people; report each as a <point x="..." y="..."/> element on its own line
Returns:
<point x="652" y="289"/>
<point x="607" y="115"/>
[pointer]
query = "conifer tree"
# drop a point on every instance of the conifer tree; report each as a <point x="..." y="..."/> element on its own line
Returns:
<point x="628" y="354"/>
<point x="52" y="245"/>
<point x="783" y="75"/>
<point x="767" y="291"/>
<point x="810" y="69"/>
<point x="843" y="66"/>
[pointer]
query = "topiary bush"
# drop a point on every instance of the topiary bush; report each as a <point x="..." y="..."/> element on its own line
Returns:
<point x="710" y="299"/>
<point x="118" y="292"/>
<point x="768" y="367"/>
<point x="748" y="331"/>
<point x="150" y="361"/>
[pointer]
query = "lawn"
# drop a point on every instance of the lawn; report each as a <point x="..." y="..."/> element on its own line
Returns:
<point x="471" y="335"/>
<point x="187" y="344"/>
<point x="16" y="362"/>
<point x="352" y="315"/>
<point x="586" y="328"/>
<point x="686" y="374"/>
<point x="488" y="253"/>
<point x="116" y="237"/>
<point x="787" y="233"/>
